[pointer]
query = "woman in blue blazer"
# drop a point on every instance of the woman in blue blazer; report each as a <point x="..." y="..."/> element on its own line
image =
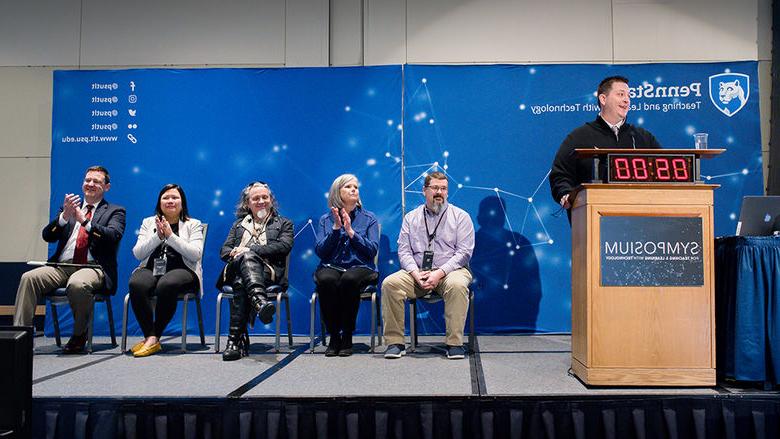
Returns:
<point x="347" y="242"/>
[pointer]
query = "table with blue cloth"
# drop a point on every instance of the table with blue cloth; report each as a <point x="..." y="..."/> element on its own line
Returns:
<point x="747" y="301"/>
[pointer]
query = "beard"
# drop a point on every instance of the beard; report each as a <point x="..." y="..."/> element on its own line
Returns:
<point x="435" y="206"/>
<point x="262" y="214"/>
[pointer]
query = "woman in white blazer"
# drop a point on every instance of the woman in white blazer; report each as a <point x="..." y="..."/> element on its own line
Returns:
<point x="169" y="247"/>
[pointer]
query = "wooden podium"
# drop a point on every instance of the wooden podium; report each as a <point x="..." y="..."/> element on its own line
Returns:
<point x="628" y="327"/>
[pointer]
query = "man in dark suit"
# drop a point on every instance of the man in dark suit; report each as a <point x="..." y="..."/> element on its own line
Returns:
<point x="86" y="232"/>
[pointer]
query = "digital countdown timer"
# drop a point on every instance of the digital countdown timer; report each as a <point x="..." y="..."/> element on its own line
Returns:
<point x="650" y="168"/>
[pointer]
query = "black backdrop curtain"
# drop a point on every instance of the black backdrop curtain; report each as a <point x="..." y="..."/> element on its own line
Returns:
<point x="719" y="416"/>
<point x="773" y="180"/>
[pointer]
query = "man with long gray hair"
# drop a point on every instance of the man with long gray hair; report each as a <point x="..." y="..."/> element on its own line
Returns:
<point x="255" y="252"/>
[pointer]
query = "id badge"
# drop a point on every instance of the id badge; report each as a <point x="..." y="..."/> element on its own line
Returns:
<point x="427" y="261"/>
<point x="159" y="266"/>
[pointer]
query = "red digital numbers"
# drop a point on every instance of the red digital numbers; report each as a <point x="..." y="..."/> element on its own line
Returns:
<point x="662" y="169"/>
<point x="680" y="167"/>
<point x="640" y="169"/>
<point x="622" y="171"/>
<point x="650" y="169"/>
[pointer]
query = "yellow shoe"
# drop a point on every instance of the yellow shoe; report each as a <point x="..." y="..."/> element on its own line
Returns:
<point x="146" y="351"/>
<point x="136" y="347"/>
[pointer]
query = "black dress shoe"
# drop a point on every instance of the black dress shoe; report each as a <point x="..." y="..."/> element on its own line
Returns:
<point x="346" y="346"/>
<point x="75" y="345"/>
<point x="333" y="347"/>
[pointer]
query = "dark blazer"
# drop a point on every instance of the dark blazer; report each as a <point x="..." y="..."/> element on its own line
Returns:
<point x="108" y="226"/>
<point x="279" y="242"/>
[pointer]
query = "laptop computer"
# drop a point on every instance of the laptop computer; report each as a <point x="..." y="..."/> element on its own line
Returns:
<point x="759" y="216"/>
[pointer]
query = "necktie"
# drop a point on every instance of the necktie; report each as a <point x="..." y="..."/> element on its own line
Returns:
<point x="615" y="130"/>
<point x="82" y="241"/>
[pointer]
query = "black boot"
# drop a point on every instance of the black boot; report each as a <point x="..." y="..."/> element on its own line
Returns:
<point x="235" y="348"/>
<point x="253" y="279"/>
<point x="264" y="308"/>
<point x="333" y="345"/>
<point x="236" y="345"/>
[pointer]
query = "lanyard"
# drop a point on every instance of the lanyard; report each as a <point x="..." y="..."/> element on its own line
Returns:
<point x="431" y="236"/>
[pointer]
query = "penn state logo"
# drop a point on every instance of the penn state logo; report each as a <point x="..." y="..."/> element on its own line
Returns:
<point x="729" y="92"/>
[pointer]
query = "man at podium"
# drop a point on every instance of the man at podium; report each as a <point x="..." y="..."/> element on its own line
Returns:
<point x="609" y="130"/>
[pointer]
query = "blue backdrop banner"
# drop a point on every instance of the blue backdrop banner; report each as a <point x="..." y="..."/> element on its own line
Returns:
<point x="493" y="129"/>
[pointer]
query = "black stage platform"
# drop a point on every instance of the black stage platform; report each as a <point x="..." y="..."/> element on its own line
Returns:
<point x="514" y="386"/>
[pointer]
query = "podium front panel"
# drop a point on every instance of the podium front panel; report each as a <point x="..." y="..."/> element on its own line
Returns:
<point x="640" y="319"/>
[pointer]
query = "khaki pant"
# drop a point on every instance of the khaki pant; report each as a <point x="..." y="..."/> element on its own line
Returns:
<point x="80" y="283"/>
<point x="454" y="289"/>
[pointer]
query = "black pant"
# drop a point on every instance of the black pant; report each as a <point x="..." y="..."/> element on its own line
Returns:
<point x="340" y="296"/>
<point x="166" y="288"/>
<point x="248" y="275"/>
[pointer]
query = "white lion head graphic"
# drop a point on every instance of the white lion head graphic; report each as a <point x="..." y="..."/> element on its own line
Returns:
<point x="729" y="92"/>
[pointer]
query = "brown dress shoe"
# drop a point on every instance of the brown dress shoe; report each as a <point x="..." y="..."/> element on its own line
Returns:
<point x="75" y="345"/>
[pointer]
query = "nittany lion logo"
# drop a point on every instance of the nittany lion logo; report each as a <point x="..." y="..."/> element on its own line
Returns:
<point x="729" y="92"/>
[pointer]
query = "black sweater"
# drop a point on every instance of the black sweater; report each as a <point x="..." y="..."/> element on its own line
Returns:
<point x="568" y="172"/>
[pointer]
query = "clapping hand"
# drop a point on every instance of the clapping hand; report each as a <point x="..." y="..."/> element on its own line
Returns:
<point x="163" y="228"/>
<point x="70" y="205"/>
<point x="347" y="221"/>
<point x="336" y="218"/>
<point x="166" y="227"/>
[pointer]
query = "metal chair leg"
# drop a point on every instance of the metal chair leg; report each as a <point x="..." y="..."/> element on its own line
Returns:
<point x="56" y="321"/>
<point x="200" y="320"/>
<point x="472" y="334"/>
<point x="184" y="325"/>
<point x="278" y="319"/>
<point x="124" y="323"/>
<point x="379" y="327"/>
<point x="90" y="327"/>
<point x="286" y="299"/>
<point x="412" y="324"/>
<point x="312" y="305"/>
<point x="111" y="328"/>
<point x="373" y="321"/>
<point x="217" y="330"/>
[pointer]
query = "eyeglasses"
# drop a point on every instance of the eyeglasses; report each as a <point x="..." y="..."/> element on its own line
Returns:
<point x="437" y="188"/>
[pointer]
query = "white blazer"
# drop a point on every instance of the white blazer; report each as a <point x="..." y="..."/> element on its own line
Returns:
<point x="189" y="243"/>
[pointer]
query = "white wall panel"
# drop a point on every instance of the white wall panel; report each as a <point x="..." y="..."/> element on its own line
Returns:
<point x="39" y="32"/>
<point x="487" y="31"/>
<point x="306" y="30"/>
<point x="24" y="184"/>
<point x="384" y="31"/>
<point x="685" y="30"/>
<point x="346" y="32"/>
<point x="183" y="32"/>
<point x="25" y="111"/>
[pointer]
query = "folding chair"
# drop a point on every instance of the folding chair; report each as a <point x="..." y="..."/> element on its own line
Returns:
<point x="279" y="290"/>
<point x="433" y="297"/>
<point x="368" y="293"/>
<point x="59" y="296"/>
